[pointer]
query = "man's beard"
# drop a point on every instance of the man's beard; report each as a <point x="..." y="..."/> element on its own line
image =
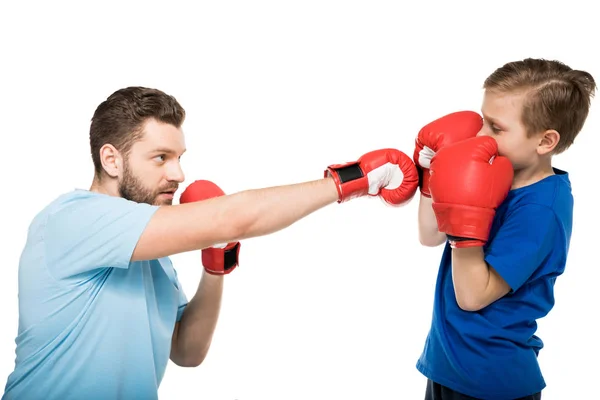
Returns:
<point x="131" y="188"/>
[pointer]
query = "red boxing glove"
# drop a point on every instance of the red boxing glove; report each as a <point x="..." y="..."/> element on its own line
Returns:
<point x="387" y="173"/>
<point x="469" y="180"/>
<point x="220" y="259"/>
<point x="442" y="132"/>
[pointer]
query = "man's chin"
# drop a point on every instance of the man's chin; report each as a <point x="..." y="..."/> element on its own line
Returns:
<point x="163" y="202"/>
<point x="164" y="199"/>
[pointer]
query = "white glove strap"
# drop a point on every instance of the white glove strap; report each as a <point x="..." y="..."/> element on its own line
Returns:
<point x="388" y="176"/>
<point x="425" y="157"/>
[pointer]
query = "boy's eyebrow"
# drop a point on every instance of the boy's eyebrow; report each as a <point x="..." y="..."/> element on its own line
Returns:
<point x="491" y="119"/>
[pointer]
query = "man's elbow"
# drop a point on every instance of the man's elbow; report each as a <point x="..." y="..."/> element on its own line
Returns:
<point x="189" y="358"/>
<point x="190" y="361"/>
<point x="238" y="224"/>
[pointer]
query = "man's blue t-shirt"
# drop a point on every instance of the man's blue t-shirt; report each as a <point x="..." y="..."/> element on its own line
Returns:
<point x="92" y="324"/>
<point x="492" y="353"/>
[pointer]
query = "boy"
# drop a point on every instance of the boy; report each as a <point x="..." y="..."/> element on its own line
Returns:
<point x="489" y="190"/>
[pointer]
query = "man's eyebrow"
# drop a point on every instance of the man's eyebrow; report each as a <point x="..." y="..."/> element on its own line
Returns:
<point x="165" y="150"/>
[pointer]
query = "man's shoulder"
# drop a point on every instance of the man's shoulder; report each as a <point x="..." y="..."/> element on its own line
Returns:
<point x="89" y="202"/>
<point x="58" y="203"/>
<point x="71" y="198"/>
<point x="79" y="205"/>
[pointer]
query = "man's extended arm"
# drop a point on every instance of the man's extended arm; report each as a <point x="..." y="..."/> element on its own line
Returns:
<point x="193" y="226"/>
<point x="388" y="173"/>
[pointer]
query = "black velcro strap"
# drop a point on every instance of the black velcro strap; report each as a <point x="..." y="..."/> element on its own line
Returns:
<point x="420" y="173"/>
<point x="350" y="173"/>
<point x="459" y="239"/>
<point x="230" y="258"/>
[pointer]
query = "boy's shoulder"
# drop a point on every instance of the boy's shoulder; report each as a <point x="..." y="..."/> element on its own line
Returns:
<point x="553" y="192"/>
<point x="539" y="207"/>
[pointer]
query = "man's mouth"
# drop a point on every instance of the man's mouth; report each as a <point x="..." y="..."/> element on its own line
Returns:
<point x="168" y="192"/>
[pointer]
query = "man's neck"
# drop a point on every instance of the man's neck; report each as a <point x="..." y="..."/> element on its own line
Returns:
<point x="104" y="186"/>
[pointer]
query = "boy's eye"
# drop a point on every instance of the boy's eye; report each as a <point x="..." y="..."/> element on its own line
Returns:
<point x="493" y="127"/>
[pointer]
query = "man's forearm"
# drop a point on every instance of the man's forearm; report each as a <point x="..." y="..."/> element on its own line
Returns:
<point x="476" y="284"/>
<point x="223" y="219"/>
<point x="276" y="208"/>
<point x="195" y="330"/>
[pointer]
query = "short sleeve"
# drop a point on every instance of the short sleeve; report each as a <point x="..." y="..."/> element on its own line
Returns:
<point x="183" y="301"/>
<point x="93" y="231"/>
<point x="182" y="304"/>
<point x="524" y="240"/>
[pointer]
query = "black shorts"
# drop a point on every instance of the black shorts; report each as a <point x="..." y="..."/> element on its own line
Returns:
<point x="435" y="391"/>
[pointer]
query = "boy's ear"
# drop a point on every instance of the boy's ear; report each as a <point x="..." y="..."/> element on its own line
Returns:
<point x="548" y="140"/>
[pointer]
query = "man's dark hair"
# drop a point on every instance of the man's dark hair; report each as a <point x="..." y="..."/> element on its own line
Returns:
<point x="120" y="118"/>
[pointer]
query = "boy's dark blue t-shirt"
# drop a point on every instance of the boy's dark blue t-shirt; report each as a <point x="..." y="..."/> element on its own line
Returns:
<point x="492" y="353"/>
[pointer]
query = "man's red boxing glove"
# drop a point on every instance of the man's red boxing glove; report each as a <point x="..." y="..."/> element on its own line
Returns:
<point x="469" y="180"/>
<point x="442" y="132"/>
<point x="387" y="173"/>
<point x="220" y="259"/>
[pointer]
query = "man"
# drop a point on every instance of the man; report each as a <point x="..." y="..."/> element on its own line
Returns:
<point x="101" y="308"/>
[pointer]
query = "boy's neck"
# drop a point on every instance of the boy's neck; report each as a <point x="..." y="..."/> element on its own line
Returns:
<point x="535" y="173"/>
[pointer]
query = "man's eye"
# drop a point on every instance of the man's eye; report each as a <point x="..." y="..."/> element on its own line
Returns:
<point x="160" y="158"/>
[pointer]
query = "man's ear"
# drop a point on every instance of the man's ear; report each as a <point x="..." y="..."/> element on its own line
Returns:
<point x="548" y="140"/>
<point x="112" y="161"/>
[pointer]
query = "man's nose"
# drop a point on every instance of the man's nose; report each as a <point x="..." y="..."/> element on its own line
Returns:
<point x="175" y="173"/>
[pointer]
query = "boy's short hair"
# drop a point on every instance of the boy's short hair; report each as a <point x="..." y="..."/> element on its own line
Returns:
<point x="557" y="96"/>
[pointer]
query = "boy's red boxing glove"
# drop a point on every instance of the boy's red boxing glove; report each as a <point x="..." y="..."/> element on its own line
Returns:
<point x="220" y="259"/>
<point x="468" y="181"/>
<point x="439" y="133"/>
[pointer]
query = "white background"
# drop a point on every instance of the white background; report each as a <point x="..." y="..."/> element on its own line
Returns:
<point x="338" y="305"/>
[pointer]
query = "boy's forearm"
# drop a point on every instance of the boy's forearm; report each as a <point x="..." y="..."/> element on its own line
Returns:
<point x="194" y="333"/>
<point x="476" y="284"/>
<point x="428" y="227"/>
